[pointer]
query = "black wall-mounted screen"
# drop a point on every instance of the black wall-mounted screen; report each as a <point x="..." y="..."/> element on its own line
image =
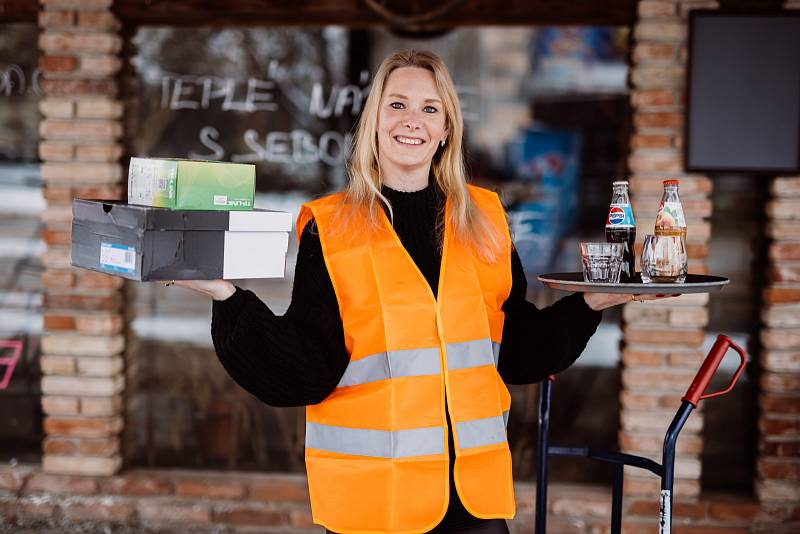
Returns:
<point x="743" y="93"/>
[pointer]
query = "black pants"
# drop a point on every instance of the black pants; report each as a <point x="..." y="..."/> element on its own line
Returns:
<point x="491" y="526"/>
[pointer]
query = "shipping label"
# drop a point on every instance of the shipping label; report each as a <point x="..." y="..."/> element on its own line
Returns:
<point x="152" y="182"/>
<point x="117" y="258"/>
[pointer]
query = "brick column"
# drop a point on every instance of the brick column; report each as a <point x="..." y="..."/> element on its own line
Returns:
<point x="662" y="340"/>
<point x="83" y="339"/>
<point x="779" y="398"/>
<point x="778" y="461"/>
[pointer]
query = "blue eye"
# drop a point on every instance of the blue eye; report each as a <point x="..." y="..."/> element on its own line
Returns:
<point x="397" y="105"/>
<point x="429" y="109"/>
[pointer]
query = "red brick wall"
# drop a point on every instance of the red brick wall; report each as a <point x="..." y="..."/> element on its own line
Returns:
<point x="210" y="501"/>
<point x="663" y="339"/>
<point x="779" y="400"/>
<point x="83" y="341"/>
<point x="778" y="465"/>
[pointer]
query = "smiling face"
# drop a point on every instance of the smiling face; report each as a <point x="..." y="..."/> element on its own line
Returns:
<point x="411" y="123"/>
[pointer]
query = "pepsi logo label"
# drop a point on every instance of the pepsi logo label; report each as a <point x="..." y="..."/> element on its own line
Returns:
<point x="616" y="215"/>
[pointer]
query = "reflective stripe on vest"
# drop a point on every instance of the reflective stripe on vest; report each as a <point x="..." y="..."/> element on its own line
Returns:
<point x="403" y="443"/>
<point x="391" y="364"/>
<point x="472" y="354"/>
<point x="375" y="443"/>
<point x="480" y="432"/>
<point x="419" y="362"/>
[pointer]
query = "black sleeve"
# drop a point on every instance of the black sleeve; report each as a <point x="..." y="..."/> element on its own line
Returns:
<point x="291" y="360"/>
<point x="537" y="343"/>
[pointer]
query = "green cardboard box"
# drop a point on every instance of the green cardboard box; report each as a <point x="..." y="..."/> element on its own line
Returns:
<point x="191" y="185"/>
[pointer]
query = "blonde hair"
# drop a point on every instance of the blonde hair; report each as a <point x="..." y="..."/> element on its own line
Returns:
<point x="364" y="188"/>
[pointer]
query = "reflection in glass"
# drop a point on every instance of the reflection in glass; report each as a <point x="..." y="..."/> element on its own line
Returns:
<point x="664" y="259"/>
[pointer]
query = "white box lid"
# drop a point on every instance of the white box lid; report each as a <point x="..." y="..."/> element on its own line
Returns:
<point x="259" y="220"/>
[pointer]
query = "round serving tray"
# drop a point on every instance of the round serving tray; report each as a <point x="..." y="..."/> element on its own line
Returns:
<point x="695" y="283"/>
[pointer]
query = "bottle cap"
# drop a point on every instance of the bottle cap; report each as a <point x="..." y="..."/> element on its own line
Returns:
<point x="671" y="182"/>
<point x="622" y="182"/>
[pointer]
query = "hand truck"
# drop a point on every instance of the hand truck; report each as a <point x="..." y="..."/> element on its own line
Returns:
<point x="665" y="470"/>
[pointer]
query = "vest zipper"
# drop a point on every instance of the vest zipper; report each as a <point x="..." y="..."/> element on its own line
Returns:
<point x="439" y="329"/>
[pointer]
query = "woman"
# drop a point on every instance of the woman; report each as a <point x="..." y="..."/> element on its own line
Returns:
<point x="408" y="315"/>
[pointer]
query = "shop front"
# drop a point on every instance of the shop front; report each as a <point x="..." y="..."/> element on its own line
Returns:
<point x="126" y="416"/>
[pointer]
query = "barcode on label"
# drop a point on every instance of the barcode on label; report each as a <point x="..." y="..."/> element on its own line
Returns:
<point x="117" y="258"/>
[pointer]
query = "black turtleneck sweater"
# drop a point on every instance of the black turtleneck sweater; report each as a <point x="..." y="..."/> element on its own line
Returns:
<point x="298" y="359"/>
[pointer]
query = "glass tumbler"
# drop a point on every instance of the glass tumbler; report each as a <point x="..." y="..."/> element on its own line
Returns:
<point x="664" y="259"/>
<point x="602" y="262"/>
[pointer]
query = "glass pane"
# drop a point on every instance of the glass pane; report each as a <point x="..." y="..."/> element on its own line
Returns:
<point x="545" y="114"/>
<point x="20" y="245"/>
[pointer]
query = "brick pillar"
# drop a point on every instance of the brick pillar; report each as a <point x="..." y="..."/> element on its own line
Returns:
<point x="778" y="461"/>
<point x="662" y="339"/>
<point x="83" y="339"/>
<point x="779" y="398"/>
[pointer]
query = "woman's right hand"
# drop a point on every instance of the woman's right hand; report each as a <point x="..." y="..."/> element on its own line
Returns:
<point x="216" y="289"/>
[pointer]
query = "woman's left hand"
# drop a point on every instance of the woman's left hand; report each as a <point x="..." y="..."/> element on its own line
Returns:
<point x="601" y="301"/>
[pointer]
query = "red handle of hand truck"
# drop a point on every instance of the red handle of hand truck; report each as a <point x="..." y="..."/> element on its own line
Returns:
<point x="710" y="365"/>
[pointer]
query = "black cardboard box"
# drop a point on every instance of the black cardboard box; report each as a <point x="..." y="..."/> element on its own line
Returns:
<point x="146" y="243"/>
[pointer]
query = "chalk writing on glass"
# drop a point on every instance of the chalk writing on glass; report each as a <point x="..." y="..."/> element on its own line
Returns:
<point x="191" y="92"/>
<point x="200" y="92"/>
<point x="209" y="137"/>
<point x="296" y="146"/>
<point x="13" y="81"/>
<point x="338" y="100"/>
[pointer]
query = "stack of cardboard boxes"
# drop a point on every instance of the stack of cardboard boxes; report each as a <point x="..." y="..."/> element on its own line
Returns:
<point x="184" y="220"/>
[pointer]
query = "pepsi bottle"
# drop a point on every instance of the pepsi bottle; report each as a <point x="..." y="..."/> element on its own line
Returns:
<point x="621" y="228"/>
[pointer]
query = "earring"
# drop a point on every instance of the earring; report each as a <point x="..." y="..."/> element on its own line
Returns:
<point x="442" y="143"/>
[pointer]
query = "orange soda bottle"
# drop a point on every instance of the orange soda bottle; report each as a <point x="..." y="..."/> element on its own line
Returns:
<point x="670" y="219"/>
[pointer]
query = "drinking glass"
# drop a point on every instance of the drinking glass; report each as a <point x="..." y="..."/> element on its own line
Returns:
<point x="664" y="259"/>
<point x="602" y="262"/>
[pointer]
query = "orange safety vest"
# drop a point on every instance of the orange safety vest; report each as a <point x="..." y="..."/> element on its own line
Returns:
<point x="376" y="447"/>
